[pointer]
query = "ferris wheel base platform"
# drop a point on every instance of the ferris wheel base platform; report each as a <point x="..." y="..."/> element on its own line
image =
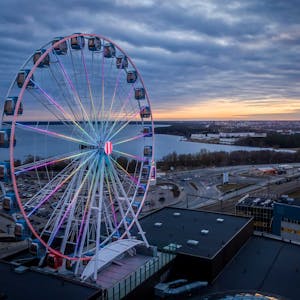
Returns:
<point x="107" y="254"/>
<point x="124" y="275"/>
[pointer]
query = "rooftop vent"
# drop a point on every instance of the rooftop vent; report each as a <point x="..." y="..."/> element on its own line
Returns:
<point x="176" y="214"/>
<point x="192" y="242"/>
<point x="172" y="247"/>
<point x="157" y="224"/>
<point x="220" y="220"/>
<point x="204" y="231"/>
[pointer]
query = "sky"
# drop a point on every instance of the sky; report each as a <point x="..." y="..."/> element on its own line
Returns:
<point x="200" y="60"/>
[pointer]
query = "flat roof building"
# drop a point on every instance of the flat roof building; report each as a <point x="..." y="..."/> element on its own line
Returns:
<point x="263" y="265"/>
<point x="204" y="240"/>
<point x="23" y="283"/>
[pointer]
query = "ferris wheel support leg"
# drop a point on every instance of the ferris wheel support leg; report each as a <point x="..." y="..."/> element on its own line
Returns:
<point x="81" y="179"/>
<point x="92" y="192"/>
<point x="114" y="184"/>
<point x="135" y="218"/>
<point x="98" y="233"/>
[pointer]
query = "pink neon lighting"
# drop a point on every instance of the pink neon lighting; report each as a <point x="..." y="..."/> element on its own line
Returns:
<point x="108" y="148"/>
<point x="52" y="133"/>
<point x="44" y="164"/>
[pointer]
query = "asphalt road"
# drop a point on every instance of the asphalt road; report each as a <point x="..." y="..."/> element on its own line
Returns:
<point x="199" y="186"/>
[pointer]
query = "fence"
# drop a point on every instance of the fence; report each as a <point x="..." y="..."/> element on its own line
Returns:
<point x="125" y="286"/>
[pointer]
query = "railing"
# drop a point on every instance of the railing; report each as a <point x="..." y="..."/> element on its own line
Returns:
<point x="125" y="286"/>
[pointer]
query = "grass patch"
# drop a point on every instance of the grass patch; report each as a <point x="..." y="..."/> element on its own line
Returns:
<point x="231" y="187"/>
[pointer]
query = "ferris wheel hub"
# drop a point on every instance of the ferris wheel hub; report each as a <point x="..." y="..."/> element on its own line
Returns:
<point x="108" y="147"/>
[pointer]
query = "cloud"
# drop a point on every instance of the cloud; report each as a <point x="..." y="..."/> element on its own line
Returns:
<point x="187" y="52"/>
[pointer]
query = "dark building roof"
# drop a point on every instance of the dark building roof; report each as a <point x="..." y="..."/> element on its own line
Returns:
<point x="165" y="227"/>
<point x="264" y="265"/>
<point x="36" y="286"/>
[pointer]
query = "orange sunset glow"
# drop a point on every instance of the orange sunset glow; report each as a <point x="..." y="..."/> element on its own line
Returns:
<point x="220" y="109"/>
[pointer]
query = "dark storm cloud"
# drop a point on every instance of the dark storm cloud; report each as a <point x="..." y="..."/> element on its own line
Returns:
<point x="187" y="51"/>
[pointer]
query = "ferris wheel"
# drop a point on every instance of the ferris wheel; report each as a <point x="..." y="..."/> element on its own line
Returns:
<point x="81" y="104"/>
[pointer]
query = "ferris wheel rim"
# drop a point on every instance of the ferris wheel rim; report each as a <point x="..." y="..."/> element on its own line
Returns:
<point x="13" y="127"/>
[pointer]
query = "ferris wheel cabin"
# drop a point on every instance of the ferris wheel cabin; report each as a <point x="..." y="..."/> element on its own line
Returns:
<point x="5" y="138"/>
<point x="145" y="112"/>
<point x="21" y="230"/>
<point x="153" y="173"/>
<point x="36" y="248"/>
<point x="9" y="106"/>
<point x="141" y="190"/>
<point x="148" y="151"/>
<point x="60" y="49"/>
<point x="139" y="93"/>
<point x="9" y="203"/>
<point x="21" y="77"/>
<point x="54" y="261"/>
<point x="77" y="42"/>
<point x="145" y="172"/>
<point x="121" y="62"/>
<point x="136" y="205"/>
<point x="109" y="50"/>
<point x="94" y="44"/>
<point x="147" y="131"/>
<point x="4" y="171"/>
<point x="131" y="76"/>
<point x="45" y="62"/>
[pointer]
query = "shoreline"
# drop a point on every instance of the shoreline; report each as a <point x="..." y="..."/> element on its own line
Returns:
<point x="215" y="142"/>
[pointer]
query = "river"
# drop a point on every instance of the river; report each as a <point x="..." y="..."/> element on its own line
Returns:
<point x="31" y="143"/>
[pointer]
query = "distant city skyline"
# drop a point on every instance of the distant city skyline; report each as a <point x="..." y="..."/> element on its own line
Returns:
<point x="200" y="60"/>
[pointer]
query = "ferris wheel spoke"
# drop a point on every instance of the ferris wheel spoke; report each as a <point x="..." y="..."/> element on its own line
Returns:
<point x="57" y="211"/>
<point x="44" y="191"/>
<point x="50" y="188"/>
<point x="132" y="178"/>
<point x="101" y="107"/>
<point x="71" y="210"/>
<point x="130" y="119"/>
<point x="35" y="201"/>
<point x="135" y="157"/>
<point x="85" y="222"/>
<point x="50" y="109"/>
<point x="76" y="97"/>
<point x="107" y="219"/>
<point x="116" y="192"/>
<point x="52" y="134"/>
<point x="59" y="186"/>
<point x="63" y="88"/>
<point x="112" y="101"/>
<point x="75" y="210"/>
<point x="126" y="140"/>
<point x="60" y="208"/>
<point x="129" y="205"/>
<point x="93" y="109"/>
<point x="118" y="117"/>
<point x="109" y="189"/>
<point x="65" y="114"/>
<point x="49" y="161"/>
<point x="101" y="165"/>
<point x="80" y="181"/>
